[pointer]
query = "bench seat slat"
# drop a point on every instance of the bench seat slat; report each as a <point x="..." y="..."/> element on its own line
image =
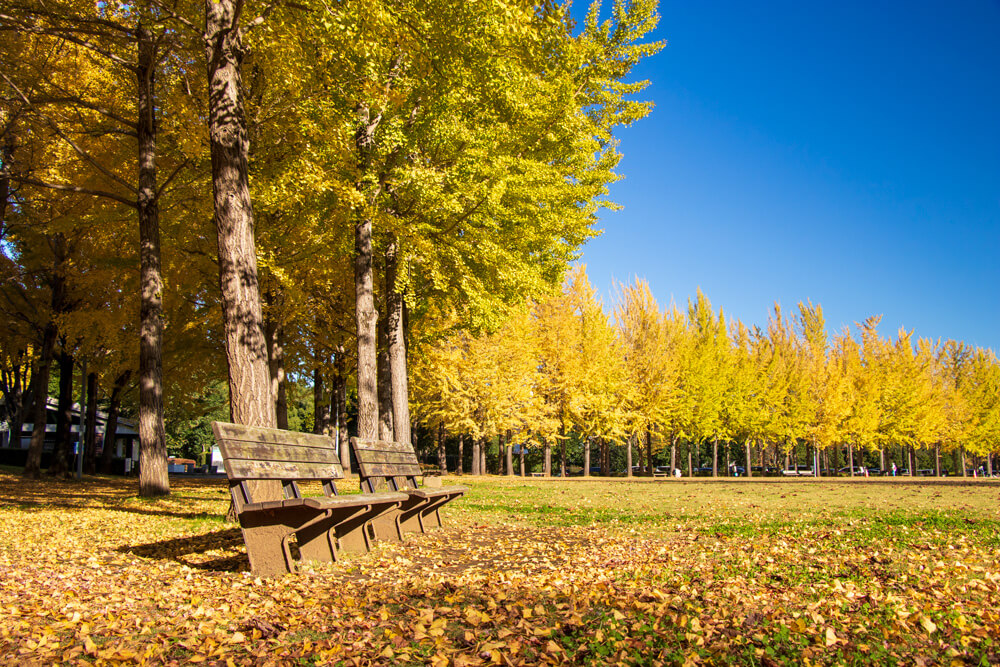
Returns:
<point x="321" y="503"/>
<point x="426" y="492"/>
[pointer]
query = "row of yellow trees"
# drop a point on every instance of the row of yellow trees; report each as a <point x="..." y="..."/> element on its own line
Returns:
<point x="564" y="370"/>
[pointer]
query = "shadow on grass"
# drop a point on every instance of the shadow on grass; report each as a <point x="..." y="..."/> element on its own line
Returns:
<point x="54" y="502"/>
<point x="185" y="550"/>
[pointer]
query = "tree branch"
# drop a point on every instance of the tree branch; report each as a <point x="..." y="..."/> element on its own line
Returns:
<point x="75" y="188"/>
<point x="55" y="127"/>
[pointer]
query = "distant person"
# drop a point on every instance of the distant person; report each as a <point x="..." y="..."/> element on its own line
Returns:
<point x="893" y="468"/>
<point x="864" y="471"/>
<point x="677" y="472"/>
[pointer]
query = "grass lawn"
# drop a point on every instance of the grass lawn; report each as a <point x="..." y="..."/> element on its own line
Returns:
<point x="526" y="572"/>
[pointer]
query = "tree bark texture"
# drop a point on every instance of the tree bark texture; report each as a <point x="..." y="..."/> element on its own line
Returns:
<point x="396" y="344"/>
<point x="649" y="451"/>
<point x="385" y="430"/>
<point x="562" y="452"/>
<point x="340" y="393"/>
<point x="749" y="460"/>
<point x="111" y="427"/>
<point x="475" y="457"/>
<point x="322" y="413"/>
<point x="33" y="465"/>
<point x="64" y="418"/>
<point x="366" y="323"/>
<point x="250" y="399"/>
<point x="509" y="455"/>
<point x="274" y="332"/>
<point x="90" y="434"/>
<point x="547" y="448"/>
<point x="628" y="457"/>
<point x="586" y="457"/>
<point x="153" y="479"/>
<point x="460" y="467"/>
<point x="442" y="454"/>
<point x="715" y="457"/>
<point x="482" y="456"/>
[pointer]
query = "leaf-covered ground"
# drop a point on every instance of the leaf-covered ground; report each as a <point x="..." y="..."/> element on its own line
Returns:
<point x="526" y="572"/>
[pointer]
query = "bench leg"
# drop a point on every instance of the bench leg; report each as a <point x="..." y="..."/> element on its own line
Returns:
<point x="314" y="541"/>
<point x="350" y="532"/>
<point x="266" y="547"/>
<point x="387" y="527"/>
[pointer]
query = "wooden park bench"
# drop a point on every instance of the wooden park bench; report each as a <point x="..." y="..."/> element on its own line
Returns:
<point x="393" y="465"/>
<point x="320" y="525"/>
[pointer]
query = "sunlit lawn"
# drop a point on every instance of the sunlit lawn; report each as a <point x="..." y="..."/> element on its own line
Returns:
<point x="527" y="571"/>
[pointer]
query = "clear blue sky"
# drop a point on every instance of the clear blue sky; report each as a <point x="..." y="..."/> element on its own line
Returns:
<point x="847" y="153"/>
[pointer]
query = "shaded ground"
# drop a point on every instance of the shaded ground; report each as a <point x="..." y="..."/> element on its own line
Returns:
<point x="526" y="572"/>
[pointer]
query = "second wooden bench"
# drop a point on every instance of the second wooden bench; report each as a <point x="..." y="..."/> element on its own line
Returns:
<point x="393" y="466"/>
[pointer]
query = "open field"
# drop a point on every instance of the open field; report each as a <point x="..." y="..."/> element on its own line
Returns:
<point x="529" y="571"/>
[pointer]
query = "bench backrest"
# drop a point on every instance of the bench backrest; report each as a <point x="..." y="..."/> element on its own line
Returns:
<point x="382" y="463"/>
<point x="250" y="453"/>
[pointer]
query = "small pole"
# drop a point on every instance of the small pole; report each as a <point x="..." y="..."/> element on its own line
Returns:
<point x="83" y="418"/>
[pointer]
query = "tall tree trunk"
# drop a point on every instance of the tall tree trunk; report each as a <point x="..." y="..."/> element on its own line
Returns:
<point x="32" y="467"/>
<point x="385" y="425"/>
<point x="850" y="458"/>
<point x="460" y="468"/>
<point x="397" y="346"/>
<point x="250" y="400"/>
<point x="442" y="454"/>
<point x="547" y="449"/>
<point x="340" y="400"/>
<point x="322" y="404"/>
<point x="111" y="426"/>
<point x="64" y="418"/>
<point x="989" y="464"/>
<point x="649" y="451"/>
<point x="482" y="456"/>
<point x="475" y="457"/>
<point x="965" y="472"/>
<point x="521" y="453"/>
<point x="673" y="453"/>
<point x="364" y="284"/>
<point x="628" y="457"/>
<point x="715" y="457"/>
<point x="23" y="398"/>
<point x="509" y="455"/>
<point x="274" y="333"/>
<point x="937" y="459"/>
<point x="368" y="417"/>
<point x="690" y="449"/>
<point x="562" y="450"/>
<point x="153" y="478"/>
<point x="586" y="456"/>
<point x="90" y="433"/>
